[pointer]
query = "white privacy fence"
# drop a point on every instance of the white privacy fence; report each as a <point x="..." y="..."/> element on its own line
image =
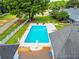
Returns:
<point x="12" y="33"/>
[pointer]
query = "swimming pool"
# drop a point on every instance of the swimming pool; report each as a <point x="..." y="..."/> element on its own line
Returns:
<point x="37" y="33"/>
<point x="36" y="37"/>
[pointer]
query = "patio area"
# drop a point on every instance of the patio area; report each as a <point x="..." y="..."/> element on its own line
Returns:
<point x="26" y="53"/>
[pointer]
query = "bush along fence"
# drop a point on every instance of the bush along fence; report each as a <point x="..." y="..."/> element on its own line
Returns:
<point x="12" y="33"/>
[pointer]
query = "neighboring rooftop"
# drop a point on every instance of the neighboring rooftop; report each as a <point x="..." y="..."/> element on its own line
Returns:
<point x="66" y="43"/>
<point x="8" y="51"/>
<point x="74" y="13"/>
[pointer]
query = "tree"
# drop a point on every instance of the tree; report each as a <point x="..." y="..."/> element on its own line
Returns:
<point x="58" y="10"/>
<point x="2" y="7"/>
<point x="73" y="3"/>
<point x="62" y="15"/>
<point x="27" y="7"/>
<point x="57" y="5"/>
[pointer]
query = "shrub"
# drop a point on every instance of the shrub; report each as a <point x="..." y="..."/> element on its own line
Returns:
<point x="62" y="15"/>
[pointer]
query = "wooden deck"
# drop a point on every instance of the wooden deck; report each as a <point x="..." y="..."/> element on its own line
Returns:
<point x="25" y="53"/>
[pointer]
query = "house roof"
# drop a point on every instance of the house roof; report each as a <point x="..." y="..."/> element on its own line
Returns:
<point x="7" y="51"/>
<point x="65" y="43"/>
<point x="74" y="13"/>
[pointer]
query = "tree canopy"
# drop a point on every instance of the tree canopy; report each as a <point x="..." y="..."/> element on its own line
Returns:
<point x="58" y="12"/>
<point x="57" y="5"/>
<point x="3" y="8"/>
<point x="27" y="7"/>
<point x="73" y="3"/>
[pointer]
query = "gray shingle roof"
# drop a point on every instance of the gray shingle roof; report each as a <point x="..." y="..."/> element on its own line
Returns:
<point x="74" y="13"/>
<point x="7" y="51"/>
<point x="66" y="43"/>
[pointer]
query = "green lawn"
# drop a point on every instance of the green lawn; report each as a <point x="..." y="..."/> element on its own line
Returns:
<point x="8" y="31"/>
<point x="14" y="39"/>
<point x="61" y="26"/>
<point x="7" y="17"/>
<point x="45" y="19"/>
<point x="49" y="19"/>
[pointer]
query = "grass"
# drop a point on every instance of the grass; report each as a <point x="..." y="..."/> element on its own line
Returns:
<point x="49" y="19"/>
<point x="61" y="26"/>
<point x="14" y="39"/>
<point x="7" y="17"/>
<point x="45" y="19"/>
<point x="58" y="27"/>
<point x="8" y="31"/>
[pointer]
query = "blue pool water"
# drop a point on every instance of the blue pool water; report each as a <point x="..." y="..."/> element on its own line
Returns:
<point x="37" y="33"/>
